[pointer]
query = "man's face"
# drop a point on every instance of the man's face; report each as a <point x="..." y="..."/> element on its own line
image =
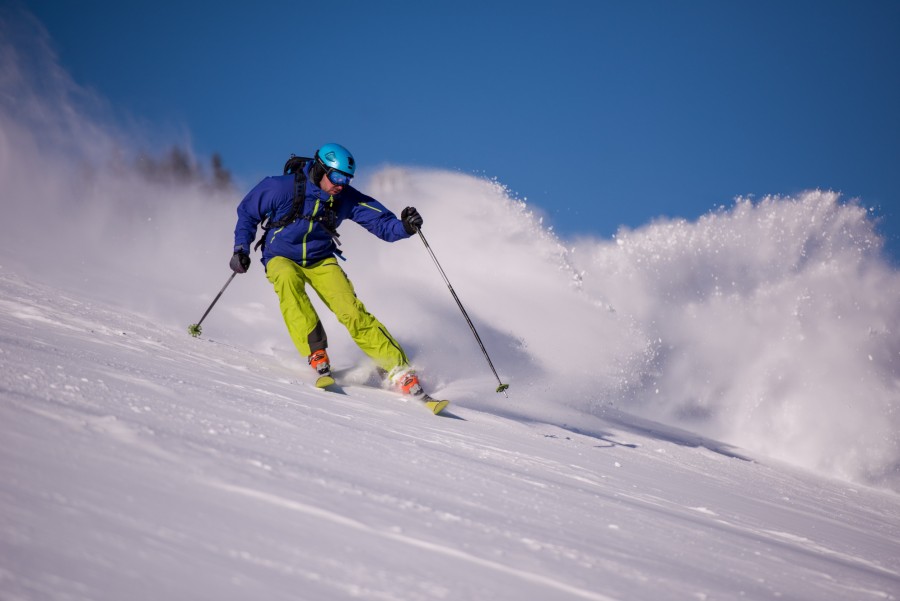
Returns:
<point x="328" y="187"/>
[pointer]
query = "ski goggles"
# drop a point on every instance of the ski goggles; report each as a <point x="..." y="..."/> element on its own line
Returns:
<point x="338" y="178"/>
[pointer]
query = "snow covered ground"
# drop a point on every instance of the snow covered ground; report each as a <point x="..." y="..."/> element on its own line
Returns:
<point x="140" y="463"/>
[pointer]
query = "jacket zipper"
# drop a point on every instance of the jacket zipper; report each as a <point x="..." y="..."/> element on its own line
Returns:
<point x="309" y="229"/>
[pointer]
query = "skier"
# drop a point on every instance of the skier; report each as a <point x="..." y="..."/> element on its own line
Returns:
<point x="300" y="243"/>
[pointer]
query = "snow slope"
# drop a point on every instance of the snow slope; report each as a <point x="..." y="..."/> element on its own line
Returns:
<point x="140" y="463"/>
<point x="771" y="324"/>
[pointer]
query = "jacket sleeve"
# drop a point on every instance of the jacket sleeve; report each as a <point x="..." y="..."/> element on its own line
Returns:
<point x="262" y="200"/>
<point x="376" y="218"/>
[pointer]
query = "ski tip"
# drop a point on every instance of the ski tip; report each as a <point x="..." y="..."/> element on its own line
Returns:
<point x="324" y="382"/>
<point x="436" y="406"/>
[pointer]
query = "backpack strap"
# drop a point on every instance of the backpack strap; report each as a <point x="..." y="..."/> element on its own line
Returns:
<point x="293" y="165"/>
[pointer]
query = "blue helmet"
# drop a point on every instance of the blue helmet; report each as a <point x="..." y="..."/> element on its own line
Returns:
<point x="335" y="156"/>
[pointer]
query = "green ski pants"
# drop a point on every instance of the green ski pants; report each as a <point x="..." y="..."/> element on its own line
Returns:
<point x="334" y="288"/>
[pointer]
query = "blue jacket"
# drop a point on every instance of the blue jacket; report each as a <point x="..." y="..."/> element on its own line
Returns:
<point x="306" y="240"/>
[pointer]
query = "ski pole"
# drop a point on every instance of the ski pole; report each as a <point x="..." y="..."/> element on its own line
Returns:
<point x="502" y="387"/>
<point x="194" y="328"/>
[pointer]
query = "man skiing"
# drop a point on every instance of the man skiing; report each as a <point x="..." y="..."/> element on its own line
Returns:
<point x="299" y="245"/>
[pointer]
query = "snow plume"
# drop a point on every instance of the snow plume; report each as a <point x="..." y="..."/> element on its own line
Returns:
<point x="84" y="201"/>
<point x="772" y="325"/>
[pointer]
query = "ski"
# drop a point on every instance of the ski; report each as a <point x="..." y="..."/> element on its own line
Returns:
<point x="434" y="405"/>
<point x="324" y="382"/>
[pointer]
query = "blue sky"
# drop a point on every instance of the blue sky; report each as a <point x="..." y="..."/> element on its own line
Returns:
<point x="601" y="113"/>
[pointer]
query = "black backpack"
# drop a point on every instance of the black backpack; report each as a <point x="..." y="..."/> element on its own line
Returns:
<point x="295" y="165"/>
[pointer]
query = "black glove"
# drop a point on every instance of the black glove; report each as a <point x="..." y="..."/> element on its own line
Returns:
<point x="240" y="262"/>
<point x="412" y="221"/>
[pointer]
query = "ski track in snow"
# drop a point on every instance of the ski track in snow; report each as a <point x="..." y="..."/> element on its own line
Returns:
<point x="413" y="542"/>
<point x="140" y="463"/>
